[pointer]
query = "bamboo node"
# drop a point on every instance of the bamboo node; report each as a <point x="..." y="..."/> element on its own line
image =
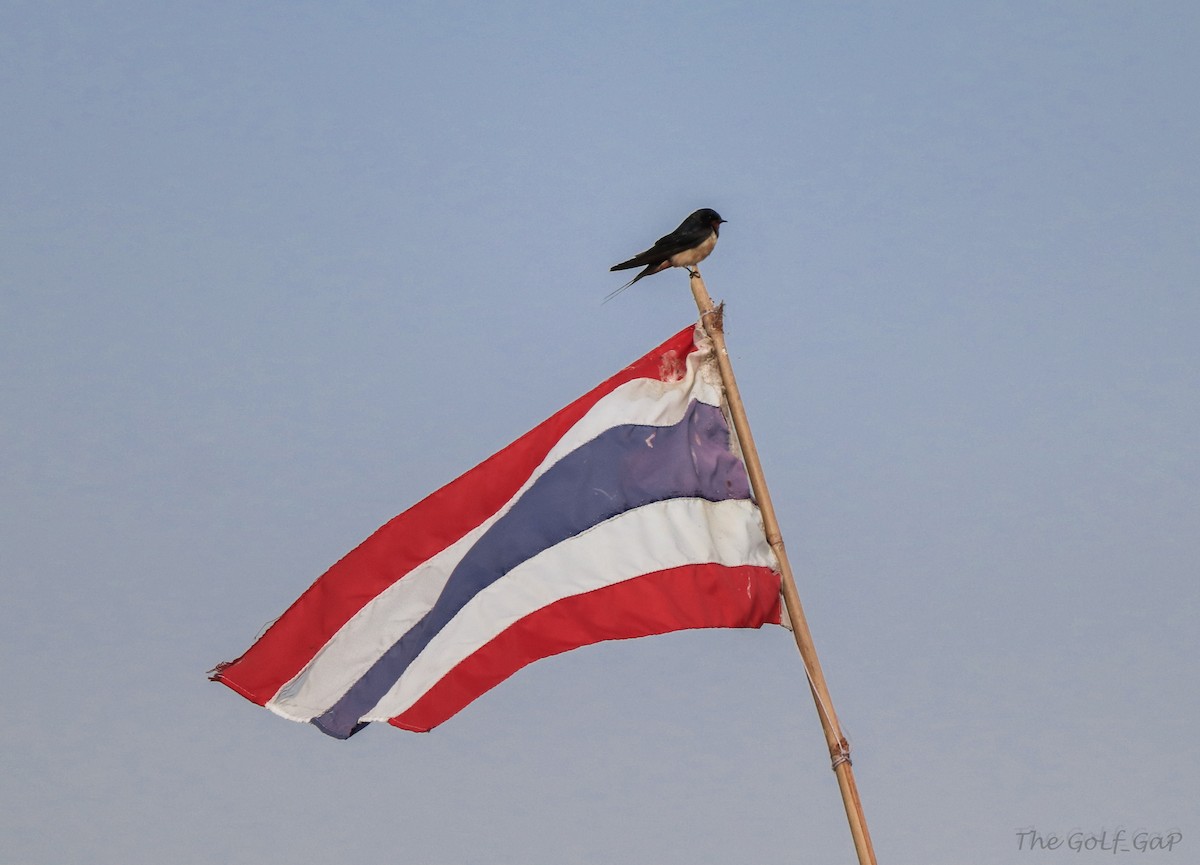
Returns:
<point x="840" y="753"/>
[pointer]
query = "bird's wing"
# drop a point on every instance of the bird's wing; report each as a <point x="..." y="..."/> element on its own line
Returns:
<point x="650" y="256"/>
<point x="684" y="237"/>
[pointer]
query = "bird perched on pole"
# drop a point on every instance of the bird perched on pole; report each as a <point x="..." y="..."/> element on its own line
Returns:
<point x="689" y="244"/>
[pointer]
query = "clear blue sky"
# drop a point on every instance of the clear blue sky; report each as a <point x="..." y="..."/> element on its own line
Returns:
<point x="273" y="272"/>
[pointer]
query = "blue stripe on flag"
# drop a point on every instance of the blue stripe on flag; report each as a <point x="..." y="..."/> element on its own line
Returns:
<point x="623" y="468"/>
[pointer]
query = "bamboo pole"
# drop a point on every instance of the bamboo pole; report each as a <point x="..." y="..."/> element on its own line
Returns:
<point x="712" y="319"/>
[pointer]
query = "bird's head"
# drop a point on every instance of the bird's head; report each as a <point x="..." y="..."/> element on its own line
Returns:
<point x="708" y="216"/>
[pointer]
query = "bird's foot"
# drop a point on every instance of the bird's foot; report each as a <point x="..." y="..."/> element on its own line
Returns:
<point x="693" y="273"/>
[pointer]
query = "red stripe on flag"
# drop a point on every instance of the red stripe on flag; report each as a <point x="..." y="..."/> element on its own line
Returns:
<point x="423" y="530"/>
<point x="693" y="596"/>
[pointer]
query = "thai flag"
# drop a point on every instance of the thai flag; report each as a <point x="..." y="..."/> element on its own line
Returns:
<point x="627" y="513"/>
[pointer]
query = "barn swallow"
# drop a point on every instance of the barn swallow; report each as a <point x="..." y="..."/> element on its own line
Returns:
<point x="689" y="244"/>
